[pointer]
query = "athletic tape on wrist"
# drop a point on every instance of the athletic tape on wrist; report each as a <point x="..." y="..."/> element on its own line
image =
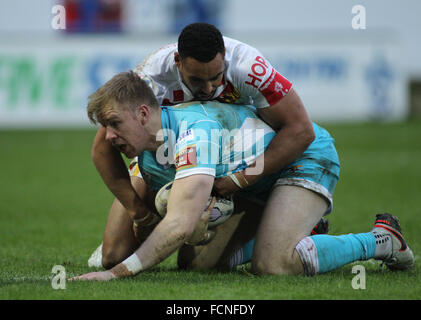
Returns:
<point x="133" y="264"/>
<point x="242" y="179"/>
<point x="155" y="219"/>
<point x="140" y="220"/>
<point x="236" y="177"/>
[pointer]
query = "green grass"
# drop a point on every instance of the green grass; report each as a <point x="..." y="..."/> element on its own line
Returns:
<point x="54" y="206"/>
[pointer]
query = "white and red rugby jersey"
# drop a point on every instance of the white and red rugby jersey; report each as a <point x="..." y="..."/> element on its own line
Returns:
<point x="248" y="79"/>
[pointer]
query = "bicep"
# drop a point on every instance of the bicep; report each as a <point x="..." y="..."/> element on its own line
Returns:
<point x="277" y="102"/>
<point x="288" y="111"/>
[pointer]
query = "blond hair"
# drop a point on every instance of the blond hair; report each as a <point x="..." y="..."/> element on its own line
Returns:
<point x="124" y="90"/>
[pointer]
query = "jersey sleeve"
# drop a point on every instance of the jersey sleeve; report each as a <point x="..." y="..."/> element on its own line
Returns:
<point x="156" y="71"/>
<point x="197" y="150"/>
<point x="256" y="78"/>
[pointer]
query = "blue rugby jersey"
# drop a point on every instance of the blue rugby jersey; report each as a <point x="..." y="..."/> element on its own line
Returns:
<point x="218" y="139"/>
<point x="205" y="138"/>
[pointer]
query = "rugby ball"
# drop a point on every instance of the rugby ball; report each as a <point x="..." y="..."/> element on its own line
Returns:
<point x="222" y="210"/>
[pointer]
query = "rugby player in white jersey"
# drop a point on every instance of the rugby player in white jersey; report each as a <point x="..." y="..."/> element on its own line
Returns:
<point x="204" y="65"/>
<point x="133" y="120"/>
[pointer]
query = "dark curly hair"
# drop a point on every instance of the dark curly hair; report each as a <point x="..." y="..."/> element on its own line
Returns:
<point x="201" y="41"/>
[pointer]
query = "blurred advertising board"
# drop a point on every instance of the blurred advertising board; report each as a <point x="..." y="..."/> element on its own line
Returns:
<point x="45" y="83"/>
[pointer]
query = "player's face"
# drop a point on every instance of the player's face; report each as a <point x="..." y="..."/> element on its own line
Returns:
<point x="125" y="132"/>
<point x="202" y="78"/>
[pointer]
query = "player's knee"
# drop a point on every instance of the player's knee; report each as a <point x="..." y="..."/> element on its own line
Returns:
<point x="262" y="268"/>
<point x="279" y="265"/>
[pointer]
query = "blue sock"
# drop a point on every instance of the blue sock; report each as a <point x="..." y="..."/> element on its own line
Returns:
<point x="242" y="255"/>
<point x="323" y="253"/>
<point x="248" y="251"/>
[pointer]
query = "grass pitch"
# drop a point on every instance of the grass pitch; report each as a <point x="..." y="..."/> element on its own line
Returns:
<point x="54" y="206"/>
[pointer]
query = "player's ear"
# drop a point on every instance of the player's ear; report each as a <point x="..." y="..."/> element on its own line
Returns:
<point x="143" y="113"/>
<point x="177" y="59"/>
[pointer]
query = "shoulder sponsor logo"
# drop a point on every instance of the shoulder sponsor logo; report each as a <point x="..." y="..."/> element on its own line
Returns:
<point x="186" y="158"/>
<point x="278" y="87"/>
<point x="185" y="136"/>
<point x="275" y="88"/>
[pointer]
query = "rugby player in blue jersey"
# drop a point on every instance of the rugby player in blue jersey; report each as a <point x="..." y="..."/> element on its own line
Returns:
<point x="134" y="123"/>
<point x="204" y="65"/>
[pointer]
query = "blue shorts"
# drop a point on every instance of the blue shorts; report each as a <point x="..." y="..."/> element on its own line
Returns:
<point x="317" y="169"/>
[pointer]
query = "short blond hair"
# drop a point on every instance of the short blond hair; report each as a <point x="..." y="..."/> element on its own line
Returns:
<point x="125" y="89"/>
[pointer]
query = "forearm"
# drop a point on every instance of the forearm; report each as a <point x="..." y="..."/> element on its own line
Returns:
<point x="294" y="134"/>
<point x="163" y="241"/>
<point x="288" y="144"/>
<point x="185" y="206"/>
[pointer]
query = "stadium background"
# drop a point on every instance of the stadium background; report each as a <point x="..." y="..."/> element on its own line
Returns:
<point x="363" y="85"/>
<point x="341" y="73"/>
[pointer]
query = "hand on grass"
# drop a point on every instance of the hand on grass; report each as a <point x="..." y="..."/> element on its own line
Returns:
<point x="94" y="276"/>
